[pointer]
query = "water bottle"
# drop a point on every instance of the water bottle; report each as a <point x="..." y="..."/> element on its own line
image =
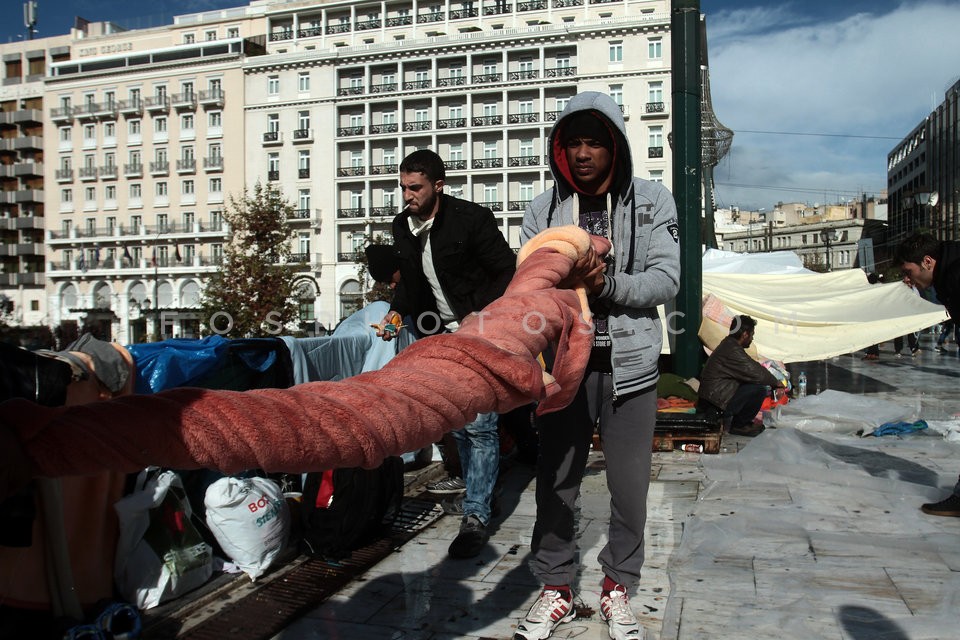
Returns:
<point x="802" y="385"/>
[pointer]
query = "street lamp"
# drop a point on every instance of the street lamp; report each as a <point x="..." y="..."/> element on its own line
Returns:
<point x="825" y="236"/>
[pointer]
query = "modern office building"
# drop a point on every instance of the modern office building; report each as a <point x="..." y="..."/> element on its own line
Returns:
<point x="923" y="174"/>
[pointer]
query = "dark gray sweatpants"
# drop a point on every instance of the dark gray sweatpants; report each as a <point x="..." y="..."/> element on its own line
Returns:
<point x="626" y="431"/>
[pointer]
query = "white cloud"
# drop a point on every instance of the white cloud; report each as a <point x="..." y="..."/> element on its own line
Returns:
<point x="863" y="75"/>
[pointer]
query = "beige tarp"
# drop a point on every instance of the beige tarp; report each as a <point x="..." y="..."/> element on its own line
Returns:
<point x="812" y="316"/>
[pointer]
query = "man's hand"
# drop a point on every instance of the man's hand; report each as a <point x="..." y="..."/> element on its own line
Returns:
<point x="390" y="326"/>
<point x="587" y="272"/>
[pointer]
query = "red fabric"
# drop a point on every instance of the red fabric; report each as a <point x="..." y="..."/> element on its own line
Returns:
<point x="436" y="385"/>
<point x="325" y="492"/>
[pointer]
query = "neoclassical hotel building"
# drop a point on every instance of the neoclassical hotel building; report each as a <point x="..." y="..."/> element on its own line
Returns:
<point x="148" y="133"/>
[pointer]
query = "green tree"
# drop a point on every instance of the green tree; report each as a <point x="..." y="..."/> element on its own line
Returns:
<point x="253" y="294"/>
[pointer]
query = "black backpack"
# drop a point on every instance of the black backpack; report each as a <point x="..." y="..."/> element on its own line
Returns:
<point x="363" y="507"/>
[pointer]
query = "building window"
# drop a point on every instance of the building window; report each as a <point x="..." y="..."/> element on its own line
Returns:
<point x="273" y="122"/>
<point x="456" y="152"/>
<point x="616" y="92"/>
<point x="233" y="32"/>
<point x="136" y="191"/>
<point x="215" y="119"/>
<point x="303" y="161"/>
<point x="216" y="185"/>
<point x="656" y="175"/>
<point x="210" y="35"/>
<point x="189" y="38"/>
<point x="303" y="120"/>
<point x="491" y="193"/>
<point x="133" y="128"/>
<point x="616" y="51"/>
<point x="656" y="136"/>
<point x="273" y="162"/>
<point x="655" y="92"/>
<point x="303" y="81"/>
<point x="161" y="189"/>
<point x="655" y="49"/>
<point x="526" y="147"/>
<point x="66" y="134"/>
<point x="186" y="122"/>
<point x="273" y="85"/>
<point x="160" y="125"/>
<point x="66" y="195"/>
<point x="303" y="201"/>
<point x="188" y="187"/>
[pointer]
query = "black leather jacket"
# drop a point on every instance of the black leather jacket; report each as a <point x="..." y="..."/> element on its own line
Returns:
<point x="473" y="261"/>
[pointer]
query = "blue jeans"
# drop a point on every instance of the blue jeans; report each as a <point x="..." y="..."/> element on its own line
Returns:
<point x="478" y="444"/>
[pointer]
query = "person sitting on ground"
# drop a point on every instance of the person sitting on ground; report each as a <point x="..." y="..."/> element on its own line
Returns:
<point x="927" y="262"/>
<point x="733" y="383"/>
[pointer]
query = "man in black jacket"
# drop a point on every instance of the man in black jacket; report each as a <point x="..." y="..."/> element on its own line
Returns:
<point x="453" y="262"/>
<point x="927" y="262"/>
<point x="733" y="382"/>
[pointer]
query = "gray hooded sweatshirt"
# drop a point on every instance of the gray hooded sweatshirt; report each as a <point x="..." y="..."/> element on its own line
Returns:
<point x="646" y="244"/>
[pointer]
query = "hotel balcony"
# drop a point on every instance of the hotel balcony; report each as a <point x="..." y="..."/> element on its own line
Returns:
<point x="487" y="121"/>
<point x="383" y="169"/>
<point x="62" y="115"/>
<point x="272" y="137"/>
<point x="157" y="104"/>
<point x="212" y="98"/>
<point x="187" y="166"/>
<point x="133" y="170"/>
<point x="302" y="135"/>
<point x="213" y="163"/>
<point x="350" y="131"/>
<point x="392" y="127"/>
<point x="348" y="172"/>
<point x="160" y="168"/>
<point x="487" y="163"/>
<point x="523" y="161"/>
<point x="452" y="81"/>
<point x="130" y="107"/>
<point x="654" y="152"/>
<point x="186" y="101"/>
<point x="108" y="172"/>
<point x="523" y="118"/>
<point x="451" y="123"/>
<point x="64" y="175"/>
<point x="357" y="212"/>
<point x="422" y="125"/>
<point x="87" y="174"/>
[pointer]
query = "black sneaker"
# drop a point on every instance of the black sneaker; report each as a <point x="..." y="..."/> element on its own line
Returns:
<point x="948" y="507"/>
<point x="471" y="539"/>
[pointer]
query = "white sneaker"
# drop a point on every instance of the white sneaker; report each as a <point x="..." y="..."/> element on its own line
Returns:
<point x="547" y="612"/>
<point x="616" y="612"/>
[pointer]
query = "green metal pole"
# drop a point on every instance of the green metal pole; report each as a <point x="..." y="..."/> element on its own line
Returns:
<point x="687" y="179"/>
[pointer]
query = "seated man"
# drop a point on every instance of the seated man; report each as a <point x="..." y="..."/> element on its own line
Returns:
<point x="733" y="383"/>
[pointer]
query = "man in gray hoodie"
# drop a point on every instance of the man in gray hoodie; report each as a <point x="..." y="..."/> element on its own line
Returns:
<point x="594" y="188"/>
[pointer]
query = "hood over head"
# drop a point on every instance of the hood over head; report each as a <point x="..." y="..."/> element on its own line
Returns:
<point x="596" y="115"/>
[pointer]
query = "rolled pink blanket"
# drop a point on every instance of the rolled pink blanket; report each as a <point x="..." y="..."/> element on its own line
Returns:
<point x="436" y="385"/>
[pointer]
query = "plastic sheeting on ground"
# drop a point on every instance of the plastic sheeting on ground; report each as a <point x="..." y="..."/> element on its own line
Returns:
<point x="839" y="412"/>
<point x="805" y="535"/>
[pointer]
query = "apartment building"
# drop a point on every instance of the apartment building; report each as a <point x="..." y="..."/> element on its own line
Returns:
<point x="350" y="88"/>
<point x="22" y="206"/>
<point x="140" y="164"/>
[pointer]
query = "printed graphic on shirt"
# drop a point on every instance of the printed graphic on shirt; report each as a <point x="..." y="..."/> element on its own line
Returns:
<point x="674" y="230"/>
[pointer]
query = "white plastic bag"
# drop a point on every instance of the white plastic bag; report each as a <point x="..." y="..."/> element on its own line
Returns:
<point x="160" y="554"/>
<point x="250" y="519"/>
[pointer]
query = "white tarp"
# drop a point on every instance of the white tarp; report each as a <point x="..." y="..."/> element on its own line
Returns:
<point x="811" y="316"/>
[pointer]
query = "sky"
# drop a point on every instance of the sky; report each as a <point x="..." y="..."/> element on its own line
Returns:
<point x="817" y="92"/>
